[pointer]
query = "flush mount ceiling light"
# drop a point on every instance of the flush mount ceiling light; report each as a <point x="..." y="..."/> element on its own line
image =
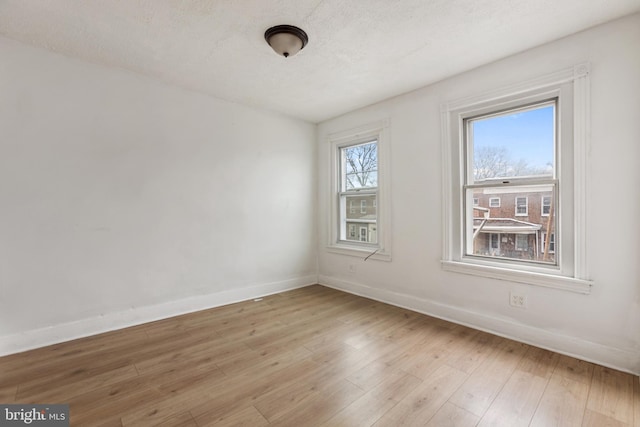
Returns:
<point x="286" y="40"/>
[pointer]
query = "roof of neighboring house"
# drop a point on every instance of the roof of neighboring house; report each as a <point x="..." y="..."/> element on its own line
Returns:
<point x="505" y="225"/>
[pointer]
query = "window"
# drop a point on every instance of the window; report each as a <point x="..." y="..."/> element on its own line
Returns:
<point x="523" y="145"/>
<point x="509" y="152"/>
<point x="522" y="207"/>
<point x="522" y="242"/>
<point x="546" y="205"/>
<point x="552" y="244"/>
<point x="359" y="172"/>
<point x="476" y="201"/>
<point x="358" y="182"/>
<point x="494" y="202"/>
<point x="494" y="241"/>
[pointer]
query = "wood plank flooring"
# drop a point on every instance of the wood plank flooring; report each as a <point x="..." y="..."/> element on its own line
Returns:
<point x="316" y="357"/>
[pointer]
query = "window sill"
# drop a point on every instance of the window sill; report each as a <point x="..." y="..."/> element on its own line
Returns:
<point x="529" y="277"/>
<point x="359" y="252"/>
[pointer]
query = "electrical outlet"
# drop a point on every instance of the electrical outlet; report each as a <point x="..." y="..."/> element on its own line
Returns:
<point x="517" y="300"/>
<point x="352" y="268"/>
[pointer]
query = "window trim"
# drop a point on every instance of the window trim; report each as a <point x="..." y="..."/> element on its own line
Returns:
<point x="381" y="250"/>
<point x="571" y="86"/>
<point x="494" y="198"/>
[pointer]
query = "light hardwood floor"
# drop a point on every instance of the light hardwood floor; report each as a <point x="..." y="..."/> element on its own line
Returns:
<point x="316" y="356"/>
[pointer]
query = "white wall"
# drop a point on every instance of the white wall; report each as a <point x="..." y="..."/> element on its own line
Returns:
<point x="603" y="326"/>
<point x="124" y="200"/>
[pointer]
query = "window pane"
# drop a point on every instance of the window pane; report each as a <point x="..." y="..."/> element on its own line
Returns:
<point x="548" y="246"/>
<point x="546" y="205"/>
<point x="513" y="144"/>
<point x="522" y="242"/>
<point x="517" y="228"/>
<point x="360" y="166"/>
<point x="361" y="223"/>
<point x="495" y="241"/>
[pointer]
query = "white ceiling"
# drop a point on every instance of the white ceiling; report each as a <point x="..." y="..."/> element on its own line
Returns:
<point x="359" y="51"/>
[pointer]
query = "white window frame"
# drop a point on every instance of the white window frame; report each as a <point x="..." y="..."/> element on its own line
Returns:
<point x="381" y="250"/>
<point x="571" y="88"/>
<point x="491" y="199"/>
<point x="352" y="208"/>
<point x="526" y="206"/>
<point x="363" y="206"/>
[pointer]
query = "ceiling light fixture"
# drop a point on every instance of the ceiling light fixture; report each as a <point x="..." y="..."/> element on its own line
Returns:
<point x="286" y="40"/>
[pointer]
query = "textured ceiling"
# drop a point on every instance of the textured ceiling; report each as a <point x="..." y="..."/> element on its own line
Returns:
<point x="359" y="51"/>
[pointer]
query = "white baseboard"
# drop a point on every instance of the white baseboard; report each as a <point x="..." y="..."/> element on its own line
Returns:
<point x="95" y="325"/>
<point x="626" y="360"/>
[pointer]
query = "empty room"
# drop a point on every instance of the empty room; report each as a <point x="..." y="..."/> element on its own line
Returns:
<point x="319" y="213"/>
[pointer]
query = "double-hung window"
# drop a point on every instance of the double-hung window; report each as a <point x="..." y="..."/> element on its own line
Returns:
<point x="510" y="152"/>
<point x="522" y="206"/>
<point x="358" y="184"/>
<point x="360" y="178"/>
<point x="526" y="146"/>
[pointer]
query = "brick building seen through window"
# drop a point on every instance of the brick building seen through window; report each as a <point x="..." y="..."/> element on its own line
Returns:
<point x="362" y="222"/>
<point x="514" y="224"/>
